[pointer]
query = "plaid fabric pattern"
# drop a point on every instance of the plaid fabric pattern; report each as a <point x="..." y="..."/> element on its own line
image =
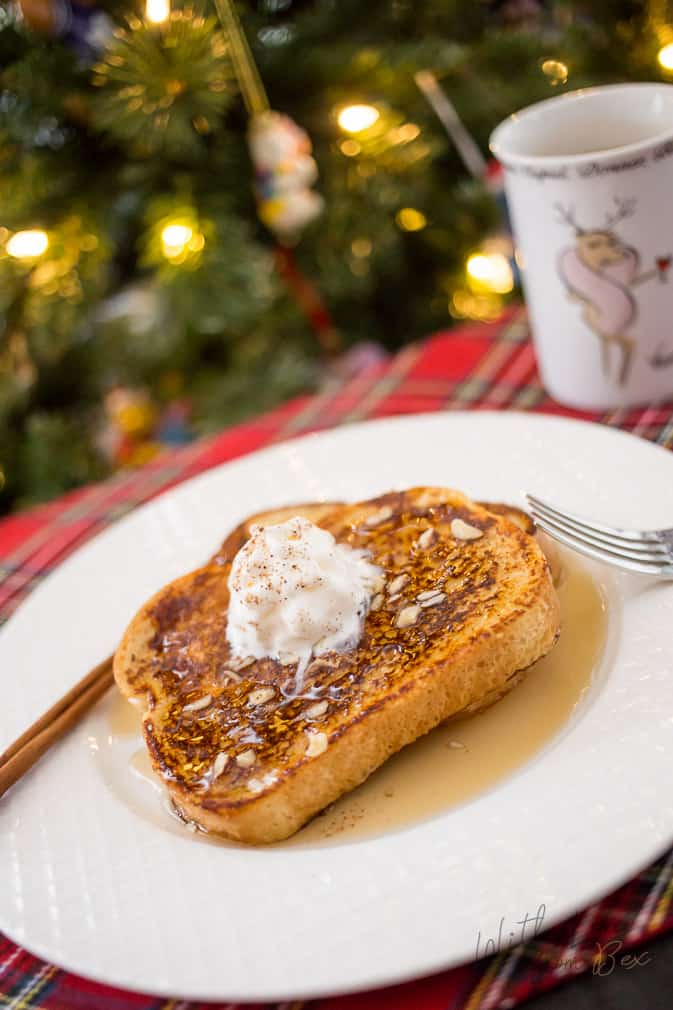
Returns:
<point x="477" y="367"/>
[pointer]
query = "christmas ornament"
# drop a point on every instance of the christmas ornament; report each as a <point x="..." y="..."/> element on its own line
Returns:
<point x="284" y="173"/>
<point x="125" y="439"/>
<point x="135" y="430"/>
<point x="162" y="86"/>
<point x="280" y="150"/>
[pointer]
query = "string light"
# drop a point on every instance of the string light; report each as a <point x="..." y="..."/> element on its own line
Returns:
<point x="157" y="11"/>
<point x="355" y="118"/>
<point x="490" y="272"/>
<point x="350" y="148"/>
<point x="555" y="70"/>
<point x="665" y="56"/>
<point x="408" y="131"/>
<point x="410" y="219"/>
<point x="27" y="244"/>
<point x="175" y="239"/>
<point x="361" y="247"/>
<point x="466" y="305"/>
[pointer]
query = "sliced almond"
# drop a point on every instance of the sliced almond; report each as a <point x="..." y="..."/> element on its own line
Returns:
<point x="427" y="594"/>
<point x="432" y="601"/>
<point x="456" y="745"/>
<point x="377" y="602"/>
<point x="246" y="759"/>
<point x="397" y="584"/>
<point x="316" y="710"/>
<point x="379" y="517"/>
<point x="219" y="764"/>
<point x="260" y="695"/>
<point x="425" y="499"/>
<point x="317" y="743"/>
<point x="407" y="616"/>
<point x="230" y="675"/>
<point x="426" y="538"/>
<point x="196" y="706"/>
<point x="240" y="662"/>
<point x="256" y="785"/>
<point x="377" y="583"/>
<point x="464" y="531"/>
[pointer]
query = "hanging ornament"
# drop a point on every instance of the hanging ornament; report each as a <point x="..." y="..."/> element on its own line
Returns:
<point x="284" y="173"/>
<point x="279" y="148"/>
<point x="126" y="436"/>
<point x="135" y="430"/>
<point x="163" y="85"/>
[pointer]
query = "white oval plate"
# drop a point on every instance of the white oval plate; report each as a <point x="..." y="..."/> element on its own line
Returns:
<point x="94" y="887"/>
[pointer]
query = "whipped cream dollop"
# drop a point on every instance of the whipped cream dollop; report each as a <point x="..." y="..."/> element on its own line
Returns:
<point x="296" y="593"/>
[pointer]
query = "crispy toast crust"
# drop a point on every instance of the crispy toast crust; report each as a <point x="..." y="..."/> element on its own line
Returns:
<point x="286" y="758"/>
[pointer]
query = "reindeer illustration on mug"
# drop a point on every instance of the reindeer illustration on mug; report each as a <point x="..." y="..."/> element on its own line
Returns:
<point x="600" y="270"/>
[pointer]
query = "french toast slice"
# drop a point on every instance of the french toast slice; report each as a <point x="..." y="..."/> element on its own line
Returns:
<point x="245" y="757"/>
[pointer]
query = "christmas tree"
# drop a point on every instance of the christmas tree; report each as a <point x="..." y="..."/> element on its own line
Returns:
<point x="142" y="298"/>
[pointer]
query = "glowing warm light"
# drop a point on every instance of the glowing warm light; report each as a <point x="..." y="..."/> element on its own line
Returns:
<point x="196" y="243"/>
<point x="555" y="70"/>
<point x="409" y="131"/>
<point x="410" y="219"/>
<point x="175" y="238"/>
<point x="355" y="118"/>
<point x="157" y="11"/>
<point x="361" y="247"/>
<point x="491" y="271"/>
<point x="350" y="148"/>
<point x="665" y="56"/>
<point x="25" y="245"/>
<point x="465" y="305"/>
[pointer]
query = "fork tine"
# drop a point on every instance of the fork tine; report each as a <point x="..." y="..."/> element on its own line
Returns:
<point x="618" y="534"/>
<point x="646" y="550"/>
<point x="602" y="554"/>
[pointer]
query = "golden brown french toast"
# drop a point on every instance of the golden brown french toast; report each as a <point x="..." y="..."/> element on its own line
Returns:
<point x="243" y="757"/>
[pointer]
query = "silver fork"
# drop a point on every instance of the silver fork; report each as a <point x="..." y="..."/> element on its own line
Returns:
<point x="646" y="551"/>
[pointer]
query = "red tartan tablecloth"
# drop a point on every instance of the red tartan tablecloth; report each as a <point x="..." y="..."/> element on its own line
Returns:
<point x="476" y="367"/>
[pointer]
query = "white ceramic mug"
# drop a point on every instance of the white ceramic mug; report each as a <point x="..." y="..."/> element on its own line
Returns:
<point x="589" y="183"/>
